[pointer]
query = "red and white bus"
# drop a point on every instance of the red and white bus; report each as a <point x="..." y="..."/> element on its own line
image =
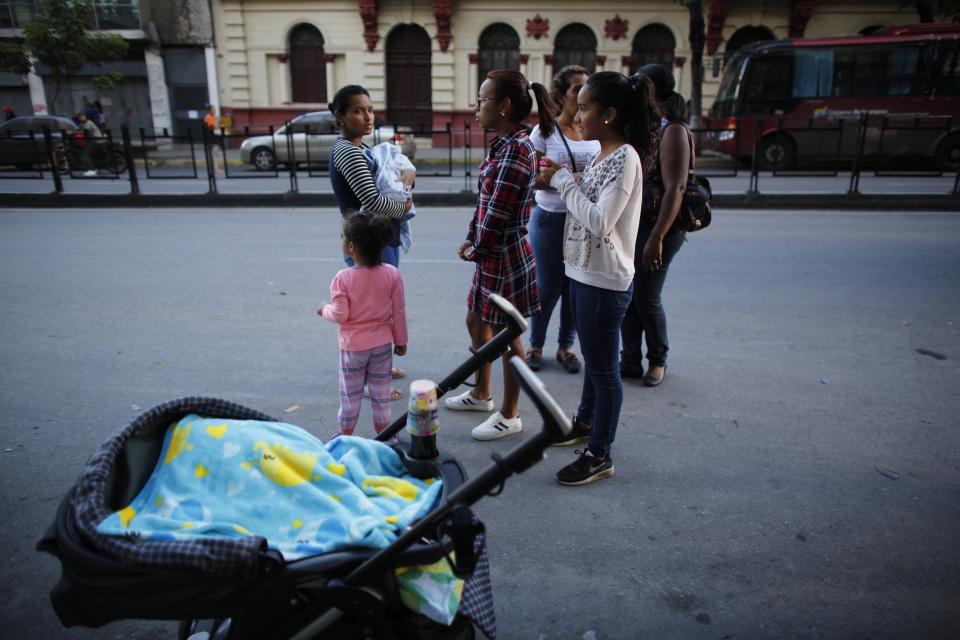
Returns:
<point x="807" y="97"/>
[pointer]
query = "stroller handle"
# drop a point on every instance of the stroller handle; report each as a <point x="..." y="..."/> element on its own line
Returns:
<point x="493" y="349"/>
<point x="522" y="457"/>
<point x="516" y="323"/>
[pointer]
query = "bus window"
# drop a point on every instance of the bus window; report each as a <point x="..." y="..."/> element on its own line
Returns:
<point x="945" y="69"/>
<point x="843" y="72"/>
<point x="723" y="105"/>
<point x="768" y="84"/>
<point x="872" y="66"/>
<point x="903" y="78"/>
<point x="813" y="73"/>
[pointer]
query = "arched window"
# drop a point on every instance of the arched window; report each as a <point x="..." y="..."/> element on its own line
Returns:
<point x="575" y="44"/>
<point x="744" y="36"/>
<point x="499" y="49"/>
<point x="652" y="44"/>
<point x="308" y="69"/>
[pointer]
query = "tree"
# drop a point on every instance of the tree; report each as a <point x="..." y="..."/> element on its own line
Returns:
<point x="697" y="39"/>
<point x="934" y="10"/>
<point x="59" y="39"/>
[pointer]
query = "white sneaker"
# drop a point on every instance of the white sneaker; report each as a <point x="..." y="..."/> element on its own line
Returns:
<point x="466" y="402"/>
<point x="496" y="426"/>
<point x="90" y="173"/>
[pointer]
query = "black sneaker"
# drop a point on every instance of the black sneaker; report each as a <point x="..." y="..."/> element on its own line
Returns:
<point x="585" y="469"/>
<point x="579" y="433"/>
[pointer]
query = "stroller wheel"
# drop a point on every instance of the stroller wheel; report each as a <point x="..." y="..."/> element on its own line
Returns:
<point x="186" y="629"/>
<point x="417" y="627"/>
<point x="203" y="629"/>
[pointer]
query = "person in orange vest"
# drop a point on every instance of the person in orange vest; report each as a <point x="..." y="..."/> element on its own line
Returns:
<point x="212" y="122"/>
<point x="211" y="119"/>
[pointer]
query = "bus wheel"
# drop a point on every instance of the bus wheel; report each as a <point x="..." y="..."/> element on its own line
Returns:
<point x="777" y="153"/>
<point x="948" y="154"/>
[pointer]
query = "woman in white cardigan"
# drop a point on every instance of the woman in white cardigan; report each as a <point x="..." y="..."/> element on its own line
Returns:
<point x="598" y="252"/>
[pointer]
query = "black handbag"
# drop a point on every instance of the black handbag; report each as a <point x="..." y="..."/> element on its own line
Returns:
<point x="695" y="211"/>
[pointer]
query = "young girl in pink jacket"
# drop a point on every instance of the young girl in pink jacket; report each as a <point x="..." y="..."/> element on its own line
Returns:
<point x="367" y="302"/>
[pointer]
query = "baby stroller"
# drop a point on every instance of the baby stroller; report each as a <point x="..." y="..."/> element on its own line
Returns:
<point x="241" y="589"/>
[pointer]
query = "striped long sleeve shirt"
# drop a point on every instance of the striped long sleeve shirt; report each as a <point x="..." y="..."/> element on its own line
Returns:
<point x="353" y="167"/>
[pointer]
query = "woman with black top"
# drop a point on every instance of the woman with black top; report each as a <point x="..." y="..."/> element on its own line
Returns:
<point x="659" y="239"/>
<point x="351" y="175"/>
<point x="351" y="167"/>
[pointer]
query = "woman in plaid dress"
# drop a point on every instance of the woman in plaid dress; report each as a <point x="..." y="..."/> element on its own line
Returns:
<point x="497" y="240"/>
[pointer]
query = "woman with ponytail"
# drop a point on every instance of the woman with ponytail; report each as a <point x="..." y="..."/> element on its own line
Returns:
<point x="598" y="252"/>
<point x="560" y="140"/>
<point x="497" y="242"/>
<point x="659" y="239"/>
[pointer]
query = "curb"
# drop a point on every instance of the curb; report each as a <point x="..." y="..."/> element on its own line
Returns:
<point x="879" y="202"/>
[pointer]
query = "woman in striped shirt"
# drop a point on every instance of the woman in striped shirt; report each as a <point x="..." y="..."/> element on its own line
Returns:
<point x="351" y="167"/>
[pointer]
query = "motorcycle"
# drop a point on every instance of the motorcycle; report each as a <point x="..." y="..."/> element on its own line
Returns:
<point x="82" y="153"/>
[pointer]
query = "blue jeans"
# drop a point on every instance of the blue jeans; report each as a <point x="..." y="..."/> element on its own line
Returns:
<point x="646" y="317"/>
<point x="598" y="313"/>
<point x="389" y="255"/>
<point x="546" y="238"/>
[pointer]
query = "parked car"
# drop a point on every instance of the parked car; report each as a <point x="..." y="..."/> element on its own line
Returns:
<point x="311" y="136"/>
<point x="22" y="143"/>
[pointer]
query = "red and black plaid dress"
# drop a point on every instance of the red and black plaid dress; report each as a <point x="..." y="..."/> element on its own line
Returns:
<point x="498" y="230"/>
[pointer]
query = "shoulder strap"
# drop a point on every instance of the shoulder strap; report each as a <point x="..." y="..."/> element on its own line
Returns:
<point x="689" y="141"/>
<point x="564" y="139"/>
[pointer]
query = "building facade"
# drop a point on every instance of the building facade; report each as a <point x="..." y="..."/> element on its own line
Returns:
<point x="423" y="60"/>
<point x="261" y="62"/>
<point x="168" y="72"/>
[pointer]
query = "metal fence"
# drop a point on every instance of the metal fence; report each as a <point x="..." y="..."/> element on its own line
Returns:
<point x="863" y="145"/>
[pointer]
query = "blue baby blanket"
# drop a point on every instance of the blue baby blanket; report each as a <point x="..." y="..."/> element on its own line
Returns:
<point x="232" y="478"/>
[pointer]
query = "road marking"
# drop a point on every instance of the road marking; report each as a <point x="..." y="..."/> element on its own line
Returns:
<point x="405" y="260"/>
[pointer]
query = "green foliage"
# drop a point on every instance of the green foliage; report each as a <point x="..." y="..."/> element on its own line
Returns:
<point x="59" y="39"/>
<point x="108" y="80"/>
<point x="13" y="57"/>
<point x="935" y="10"/>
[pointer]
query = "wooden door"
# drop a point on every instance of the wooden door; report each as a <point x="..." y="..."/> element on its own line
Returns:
<point x="409" y="83"/>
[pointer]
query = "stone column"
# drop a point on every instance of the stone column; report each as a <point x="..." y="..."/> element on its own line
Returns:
<point x="38" y="96"/>
<point x="213" y="85"/>
<point x="678" y="62"/>
<point x="157" y="86"/>
<point x="472" y="86"/>
<point x="283" y="78"/>
<point x="328" y="60"/>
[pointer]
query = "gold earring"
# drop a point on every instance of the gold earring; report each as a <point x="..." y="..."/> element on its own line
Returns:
<point x="502" y="113"/>
<point x="606" y="122"/>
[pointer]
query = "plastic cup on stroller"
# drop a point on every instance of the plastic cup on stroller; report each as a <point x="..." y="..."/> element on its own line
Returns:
<point x="423" y="420"/>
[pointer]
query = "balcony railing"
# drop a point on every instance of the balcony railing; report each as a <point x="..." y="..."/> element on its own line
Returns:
<point x="15" y="13"/>
<point x="117" y="14"/>
<point x="108" y="14"/>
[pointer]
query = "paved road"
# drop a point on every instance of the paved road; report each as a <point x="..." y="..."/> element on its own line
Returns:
<point x="796" y="476"/>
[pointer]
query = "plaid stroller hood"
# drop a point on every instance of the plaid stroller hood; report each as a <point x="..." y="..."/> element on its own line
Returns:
<point x="140" y="574"/>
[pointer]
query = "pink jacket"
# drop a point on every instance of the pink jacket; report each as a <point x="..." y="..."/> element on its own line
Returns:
<point x="368" y="304"/>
